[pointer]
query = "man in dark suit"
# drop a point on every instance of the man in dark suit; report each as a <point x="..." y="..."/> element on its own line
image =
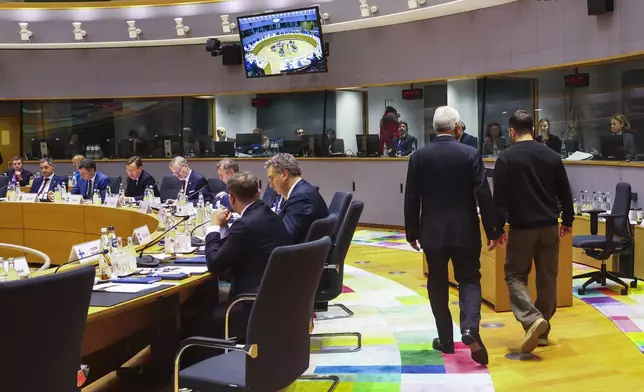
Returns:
<point x="302" y="203"/>
<point x="466" y="138"/>
<point x="138" y="180"/>
<point x="445" y="180"/>
<point x="405" y="143"/>
<point x="18" y="173"/>
<point x="46" y="184"/>
<point x="271" y="198"/>
<point x="192" y="183"/>
<point x="226" y="169"/>
<point x="90" y="181"/>
<point x="244" y="249"/>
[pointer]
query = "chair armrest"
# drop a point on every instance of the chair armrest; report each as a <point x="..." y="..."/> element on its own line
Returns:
<point x="236" y="300"/>
<point x="334" y="267"/>
<point x="594" y="218"/>
<point x="249" y="349"/>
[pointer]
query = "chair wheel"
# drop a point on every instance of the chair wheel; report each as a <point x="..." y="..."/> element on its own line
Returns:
<point x="633" y="284"/>
<point x="624" y="291"/>
<point x="581" y="291"/>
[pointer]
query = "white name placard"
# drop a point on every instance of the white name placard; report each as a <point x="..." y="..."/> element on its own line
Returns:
<point x="74" y="199"/>
<point x="28" y="197"/>
<point x="142" y="235"/>
<point x="21" y="266"/>
<point x="86" y="249"/>
<point x="112" y="201"/>
<point x="145" y="208"/>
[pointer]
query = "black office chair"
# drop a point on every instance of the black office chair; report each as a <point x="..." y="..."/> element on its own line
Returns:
<point x="4" y="184"/>
<point x="617" y="240"/>
<point x="45" y="319"/>
<point x="332" y="280"/>
<point x="170" y="187"/>
<point x="339" y="206"/>
<point x="322" y="228"/>
<point x="277" y="349"/>
<point x="216" y="185"/>
<point x="115" y="184"/>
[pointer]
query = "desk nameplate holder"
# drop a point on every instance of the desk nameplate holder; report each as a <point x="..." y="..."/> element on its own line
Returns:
<point x="85" y="249"/>
<point x="74" y="199"/>
<point x="28" y="197"/>
<point x="141" y="235"/>
<point x="113" y="201"/>
<point x="145" y="208"/>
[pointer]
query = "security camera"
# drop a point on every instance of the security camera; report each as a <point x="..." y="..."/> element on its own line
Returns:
<point x="79" y="34"/>
<point x="180" y="28"/>
<point x="25" y="35"/>
<point x="132" y="31"/>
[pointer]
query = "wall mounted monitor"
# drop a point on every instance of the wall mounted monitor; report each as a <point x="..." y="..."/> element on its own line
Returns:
<point x="282" y="43"/>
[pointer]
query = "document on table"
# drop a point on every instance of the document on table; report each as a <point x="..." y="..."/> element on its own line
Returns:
<point x="125" y="287"/>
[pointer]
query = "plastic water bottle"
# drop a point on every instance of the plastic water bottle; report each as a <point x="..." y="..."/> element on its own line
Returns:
<point x="181" y="203"/>
<point x="131" y="255"/>
<point x="385" y="148"/>
<point x="564" y="153"/>
<point x="3" y="273"/>
<point x="608" y="202"/>
<point x="495" y="150"/>
<point x="96" y="199"/>
<point x="201" y="201"/>
<point x="12" y="274"/>
<point x="103" y="264"/>
<point x="58" y="197"/>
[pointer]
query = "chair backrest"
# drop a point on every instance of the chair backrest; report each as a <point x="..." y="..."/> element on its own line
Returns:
<point x="279" y="321"/>
<point x="170" y="186"/>
<point x="4" y="184"/>
<point x="216" y="185"/>
<point x="622" y="207"/>
<point x="44" y="318"/>
<point x="115" y="184"/>
<point x="324" y="227"/>
<point x="343" y="241"/>
<point x="339" y="206"/>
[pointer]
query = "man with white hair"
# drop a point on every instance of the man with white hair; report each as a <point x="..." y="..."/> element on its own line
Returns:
<point x="445" y="179"/>
<point x="192" y="183"/>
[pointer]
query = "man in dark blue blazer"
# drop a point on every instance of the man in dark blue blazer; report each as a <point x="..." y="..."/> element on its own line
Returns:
<point x="138" y="180"/>
<point x="445" y="180"/>
<point x="46" y="184"/>
<point x="244" y="249"/>
<point x="90" y="181"/>
<point x="18" y="173"/>
<point x="192" y="183"/>
<point x="271" y="198"/>
<point x="405" y="143"/>
<point x="466" y="138"/>
<point x="302" y="203"/>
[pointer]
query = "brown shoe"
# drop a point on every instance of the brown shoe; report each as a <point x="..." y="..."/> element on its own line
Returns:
<point x="531" y="339"/>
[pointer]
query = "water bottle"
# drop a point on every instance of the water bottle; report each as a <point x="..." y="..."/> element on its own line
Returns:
<point x="575" y="206"/>
<point x="3" y="273"/>
<point x="495" y="150"/>
<point x="594" y="201"/>
<point x="58" y="194"/>
<point x="103" y="264"/>
<point x="181" y="203"/>
<point x="200" y="201"/>
<point x="608" y="202"/>
<point x="119" y="267"/>
<point x="170" y="242"/>
<point x="564" y="153"/>
<point x="12" y="274"/>
<point x="384" y="150"/>
<point x="96" y="199"/>
<point x="122" y="192"/>
<point x="131" y="255"/>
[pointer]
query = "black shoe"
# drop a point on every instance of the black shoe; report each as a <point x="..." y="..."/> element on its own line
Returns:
<point x="447" y="348"/>
<point x="476" y="346"/>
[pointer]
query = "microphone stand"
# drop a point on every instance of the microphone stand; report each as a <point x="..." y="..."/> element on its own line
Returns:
<point x="103" y="252"/>
<point x="196" y="241"/>
<point x="147" y="261"/>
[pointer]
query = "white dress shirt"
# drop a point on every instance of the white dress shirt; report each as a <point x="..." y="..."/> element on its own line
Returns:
<point x="288" y="196"/>
<point x="223" y="231"/>
<point x="44" y="187"/>
<point x="185" y="184"/>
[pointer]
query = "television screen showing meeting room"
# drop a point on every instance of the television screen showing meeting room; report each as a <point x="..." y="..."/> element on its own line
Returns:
<point x="282" y="43"/>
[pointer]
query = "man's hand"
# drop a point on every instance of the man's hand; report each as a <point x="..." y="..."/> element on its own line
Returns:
<point x="414" y="244"/>
<point x="491" y="244"/>
<point x="220" y="217"/>
<point x="564" y="230"/>
<point x="502" y="241"/>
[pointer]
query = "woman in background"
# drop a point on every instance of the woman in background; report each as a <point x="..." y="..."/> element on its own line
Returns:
<point x="266" y="143"/>
<point x="494" y="141"/>
<point x="544" y="136"/>
<point x="388" y="128"/>
<point x="619" y="125"/>
<point x="75" y="161"/>
<point x="75" y="146"/>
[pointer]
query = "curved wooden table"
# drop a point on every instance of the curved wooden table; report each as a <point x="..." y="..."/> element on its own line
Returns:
<point x="54" y="228"/>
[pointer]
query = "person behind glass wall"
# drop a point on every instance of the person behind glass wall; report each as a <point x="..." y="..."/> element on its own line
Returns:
<point x="18" y="173"/>
<point x="221" y="135"/>
<point x="619" y="125"/>
<point x="335" y="145"/>
<point x="266" y="143"/>
<point x="138" y="180"/>
<point x="388" y="127"/>
<point x="545" y="137"/>
<point x="494" y="140"/>
<point x="74" y="145"/>
<point x="466" y="138"/>
<point x="404" y="144"/>
<point x="136" y="144"/>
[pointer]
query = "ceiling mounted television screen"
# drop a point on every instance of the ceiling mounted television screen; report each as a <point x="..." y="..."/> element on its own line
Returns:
<point x="282" y="43"/>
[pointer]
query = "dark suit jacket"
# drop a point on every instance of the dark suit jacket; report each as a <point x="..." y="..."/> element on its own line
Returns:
<point x="246" y="249"/>
<point x="405" y="146"/>
<point x="55" y="181"/>
<point x="272" y="199"/>
<point x="26" y="176"/>
<point x="197" y="182"/>
<point x="470" y="140"/>
<point x="101" y="182"/>
<point x="136" y="189"/>
<point x="444" y="181"/>
<point x="554" y="143"/>
<point x="304" y="207"/>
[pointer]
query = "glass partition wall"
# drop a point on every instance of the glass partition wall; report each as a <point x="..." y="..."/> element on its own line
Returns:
<point x="568" y="117"/>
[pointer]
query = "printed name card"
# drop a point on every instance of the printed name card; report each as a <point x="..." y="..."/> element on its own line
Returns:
<point x="86" y="249"/>
<point x="145" y="208"/>
<point x="112" y="201"/>
<point x="74" y="199"/>
<point x="142" y="235"/>
<point x="28" y="197"/>
<point x="21" y="266"/>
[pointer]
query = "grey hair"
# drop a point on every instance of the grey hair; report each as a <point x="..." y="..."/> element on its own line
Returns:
<point x="446" y="119"/>
<point x="284" y="163"/>
<point x="179" y="161"/>
<point x="228" y="164"/>
<point x="48" y="161"/>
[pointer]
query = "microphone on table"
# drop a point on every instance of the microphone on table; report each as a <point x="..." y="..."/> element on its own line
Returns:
<point x="147" y="261"/>
<point x="196" y="241"/>
<point x="103" y="252"/>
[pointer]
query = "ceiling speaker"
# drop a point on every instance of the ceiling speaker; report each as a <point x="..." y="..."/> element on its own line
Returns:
<point x="600" y="7"/>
